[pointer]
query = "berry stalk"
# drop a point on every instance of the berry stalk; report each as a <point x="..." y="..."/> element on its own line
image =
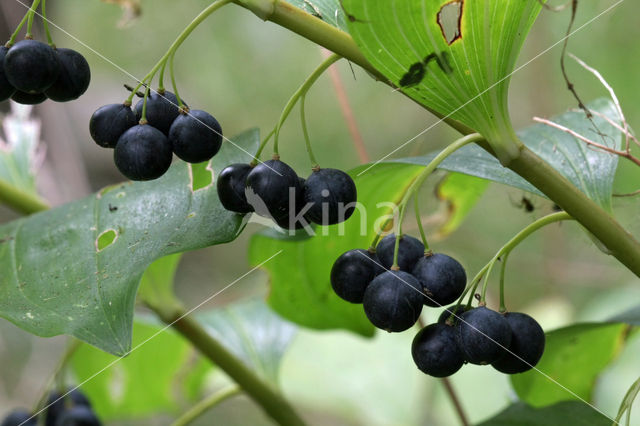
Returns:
<point x="423" y="236"/>
<point x="45" y="23"/>
<point x="263" y="144"/>
<point x="31" y="14"/>
<point x="14" y="36"/>
<point x="305" y="132"/>
<point x="206" y="404"/>
<point x="173" y="80"/>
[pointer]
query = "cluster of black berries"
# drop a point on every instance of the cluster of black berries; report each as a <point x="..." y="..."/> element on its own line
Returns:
<point x="32" y="72"/>
<point x="72" y="410"/>
<point x="144" y="149"/>
<point x="393" y="299"/>
<point x="273" y="189"/>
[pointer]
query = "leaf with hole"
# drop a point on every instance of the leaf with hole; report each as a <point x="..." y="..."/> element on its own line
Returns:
<point x="75" y="269"/>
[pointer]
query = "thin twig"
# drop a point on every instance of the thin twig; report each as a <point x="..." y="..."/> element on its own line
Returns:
<point x="448" y="386"/>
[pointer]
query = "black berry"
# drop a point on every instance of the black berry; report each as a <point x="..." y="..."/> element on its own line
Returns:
<point x="454" y="309"/>
<point x="31" y="66"/>
<point x="78" y="416"/>
<point x="25" y="98"/>
<point x="482" y="334"/>
<point x="296" y="219"/>
<point x="19" y="417"/>
<point x="74" y="77"/>
<point x="443" y="279"/>
<point x="109" y="122"/>
<point x="527" y="344"/>
<point x="58" y="405"/>
<point x="195" y="137"/>
<point x="273" y="189"/>
<point x="409" y="252"/>
<point x="143" y="153"/>
<point x="331" y="195"/>
<point x="436" y="352"/>
<point x="161" y="110"/>
<point x="393" y="301"/>
<point x="6" y="89"/>
<point x="352" y="272"/>
<point x="231" y="183"/>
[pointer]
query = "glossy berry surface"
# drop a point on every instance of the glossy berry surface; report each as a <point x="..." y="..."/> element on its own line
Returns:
<point x="273" y="189"/>
<point x="482" y="334"/>
<point x="436" y="352"/>
<point x="297" y="219"/>
<point x="74" y="77"/>
<point x="457" y="310"/>
<point x="19" y="417"/>
<point x="161" y="110"/>
<point x="78" y="416"/>
<point x="443" y="279"/>
<point x="393" y="301"/>
<point x="352" y="273"/>
<point x="230" y="184"/>
<point x="409" y="252"/>
<point x="195" y="137"/>
<point x="58" y="405"/>
<point x="527" y="344"/>
<point x="109" y="122"/>
<point x="331" y="195"/>
<point x="31" y="66"/>
<point x="6" y="89"/>
<point x="143" y="153"/>
<point x="25" y="98"/>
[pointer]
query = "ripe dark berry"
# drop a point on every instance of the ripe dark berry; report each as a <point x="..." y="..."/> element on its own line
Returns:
<point x="454" y="309"/>
<point x="352" y="272"/>
<point x="143" y="153"/>
<point x="19" y="417"/>
<point x="78" y="416"/>
<point x="443" y="279"/>
<point x="161" y="110"/>
<point x="409" y="252"/>
<point x="6" y="89"/>
<point x="109" y="122"/>
<point x="231" y="183"/>
<point x="436" y="352"/>
<point x="527" y="344"/>
<point x="482" y="334"/>
<point x="57" y="405"/>
<point x="331" y="195"/>
<point x="393" y="301"/>
<point x="295" y="219"/>
<point x="31" y="66"/>
<point x="272" y="187"/>
<point x="74" y="77"/>
<point x="195" y="137"/>
<point x="25" y="98"/>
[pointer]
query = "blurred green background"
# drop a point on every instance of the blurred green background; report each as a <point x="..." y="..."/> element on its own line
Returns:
<point x="243" y="70"/>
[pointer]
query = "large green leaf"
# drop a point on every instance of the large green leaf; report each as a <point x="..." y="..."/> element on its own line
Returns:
<point x="460" y="193"/>
<point x="563" y="413"/>
<point x="75" y="269"/>
<point x="590" y="170"/>
<point x="455" y="57"/>
<point x="300" y="288"/>
<point x="573" y="357"/>
<point x="164" y="373"/>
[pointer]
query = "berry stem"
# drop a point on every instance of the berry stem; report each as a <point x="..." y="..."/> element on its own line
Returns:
<point x="302" y="90"/>
<point x="173" y="80"/>
<point x="206" y="404"/>
<point x="143" y="117"/>
<point x="13" y="37"/>
<point x="396" y="247"/>
<point x="503" y="267"/>
<point x="423" y="236"/>
<point x="263" y="144"/>
<point x="45" y="23"/>
<point x="31" y="13"/>
<point x="305" y="132"/>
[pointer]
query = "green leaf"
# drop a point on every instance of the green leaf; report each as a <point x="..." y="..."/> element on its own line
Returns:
<point x="165" y="374"/>
<point x="56" y="281"/>
<point x="300" y="287"/>
<point x="19" y="147"/>
<point x="454" y="57"/>
<point x="327" y="10"/>
<point x="590" y="170"/>
<point x="460" y="193"/>
<point x="573" y="357"/>
<point x="568" y="412"/>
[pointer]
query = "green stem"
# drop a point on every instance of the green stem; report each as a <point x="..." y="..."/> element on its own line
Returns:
<point x="45" y="22"/>
<point x="206" y="404"/>
<point x="263" y="144"/>
<point x="305" y="132"/>
<point x="143" y="117"/>
<point x="274" y="404"/>
<point x="416" y="206"/>
<point x="31" y="13"/>
<point x="20" y="201"/>
<point x="12" y="40"/>
<point x="302" y="90"/>
<point x="503" y="267"/>
<point x="173" y="80"/>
